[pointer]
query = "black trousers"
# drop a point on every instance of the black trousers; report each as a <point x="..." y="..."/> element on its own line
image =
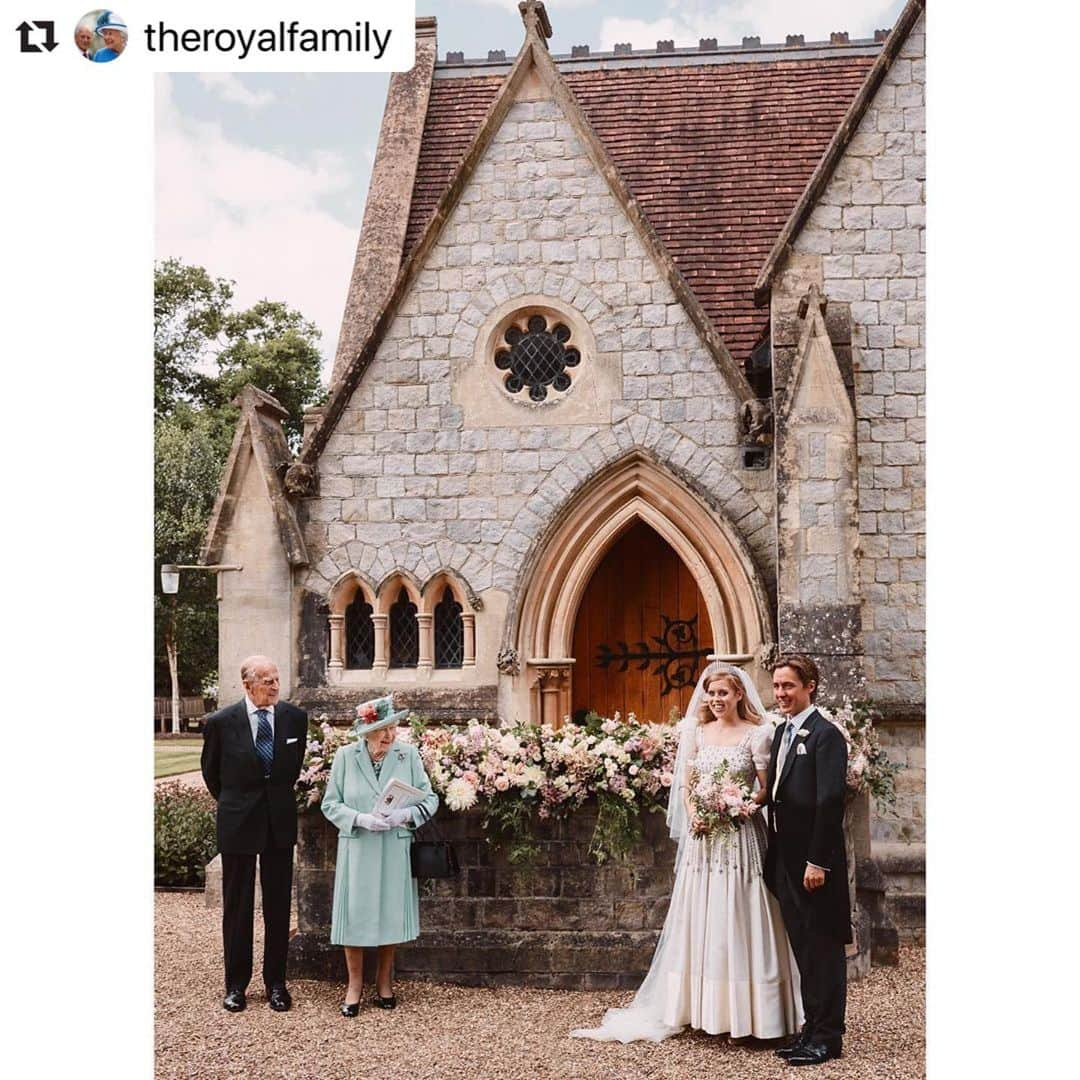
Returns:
<point x="821" y="959"/>
<point x="238" y="914"/>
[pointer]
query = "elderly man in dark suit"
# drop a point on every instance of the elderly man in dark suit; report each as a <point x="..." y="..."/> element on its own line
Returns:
<point x="252" y="755"/>
<point x="805" y="866"/>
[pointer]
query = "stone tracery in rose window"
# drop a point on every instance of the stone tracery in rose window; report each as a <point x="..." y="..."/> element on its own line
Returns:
<point x="537" y="358"/>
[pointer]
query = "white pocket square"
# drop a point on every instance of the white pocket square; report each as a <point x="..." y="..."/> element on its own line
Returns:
<point x="801" y="749"/>
<point x="288" y="741"/>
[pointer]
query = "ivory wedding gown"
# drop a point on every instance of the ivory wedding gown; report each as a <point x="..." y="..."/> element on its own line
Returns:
<point x="723" y="963"/>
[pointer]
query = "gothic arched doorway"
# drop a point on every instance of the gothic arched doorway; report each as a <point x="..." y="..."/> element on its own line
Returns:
<point x="642" y="631"/>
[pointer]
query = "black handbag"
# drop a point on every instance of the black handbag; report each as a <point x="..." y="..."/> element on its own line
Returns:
<point x="433" y="858"/>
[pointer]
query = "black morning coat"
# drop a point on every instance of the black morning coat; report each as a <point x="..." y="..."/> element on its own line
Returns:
<point x="806" y="822"/>
<point x="253" y="813"/>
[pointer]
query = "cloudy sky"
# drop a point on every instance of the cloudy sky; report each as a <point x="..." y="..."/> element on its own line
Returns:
<point x="262" y="178"/>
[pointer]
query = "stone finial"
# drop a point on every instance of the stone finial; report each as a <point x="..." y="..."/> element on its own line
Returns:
<point x="814" y="297"/>
<point x="535" y="17"/>
<point x="579" y="50"/>
<point x="496" y="54"/>
<point x="665" y="46"/>
<point x="838" y="37"/>
<point x="623" y="48"/>
<point x="706" y="44"/>
<point x="455" y="58"/>
<point x="751" y="42"/>
<point x="880" y="35"/>
<point x="795" y="39"/>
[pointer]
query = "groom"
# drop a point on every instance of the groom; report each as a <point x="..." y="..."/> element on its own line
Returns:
<point x="805" y="866"/>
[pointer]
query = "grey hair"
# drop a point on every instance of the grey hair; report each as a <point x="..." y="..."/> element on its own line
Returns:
<point x="251" y="666"/>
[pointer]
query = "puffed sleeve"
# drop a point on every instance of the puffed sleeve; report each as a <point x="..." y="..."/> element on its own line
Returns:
<point x="761" y="746"/>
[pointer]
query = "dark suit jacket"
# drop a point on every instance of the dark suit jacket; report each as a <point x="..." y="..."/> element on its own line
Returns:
<point x="806" y="822"/>
<point x="253" y="813"/>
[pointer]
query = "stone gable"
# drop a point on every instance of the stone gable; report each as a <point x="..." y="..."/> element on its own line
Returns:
<point x="415" y="477"/>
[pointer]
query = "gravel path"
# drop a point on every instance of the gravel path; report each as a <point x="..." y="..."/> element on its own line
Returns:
<point x="458" y="1033"/>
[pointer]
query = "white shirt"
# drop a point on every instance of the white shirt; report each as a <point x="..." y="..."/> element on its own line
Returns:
<point x="796" y="722"/>
<point x="253" y="719"/>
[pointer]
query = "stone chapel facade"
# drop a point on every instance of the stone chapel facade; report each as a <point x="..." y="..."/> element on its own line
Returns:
<point x="631" y="373"/>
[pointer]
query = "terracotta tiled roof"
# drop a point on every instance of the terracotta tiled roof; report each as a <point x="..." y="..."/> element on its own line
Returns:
<point x="716" y="155"/>
<point x="456" y="109"/>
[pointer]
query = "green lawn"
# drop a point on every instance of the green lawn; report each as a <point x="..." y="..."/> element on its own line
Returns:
<point x="176" y="756"/>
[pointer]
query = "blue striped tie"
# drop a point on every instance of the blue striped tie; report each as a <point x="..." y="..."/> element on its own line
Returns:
<point x="264" y="741"/>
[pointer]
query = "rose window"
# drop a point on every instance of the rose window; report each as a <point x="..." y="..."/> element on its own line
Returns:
<point x="537" y="358"/>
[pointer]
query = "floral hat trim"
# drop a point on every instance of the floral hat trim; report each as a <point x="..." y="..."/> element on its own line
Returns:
<point x="376" y="714"/>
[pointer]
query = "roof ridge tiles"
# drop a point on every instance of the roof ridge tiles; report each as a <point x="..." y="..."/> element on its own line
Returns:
<point x="750" y="49"/>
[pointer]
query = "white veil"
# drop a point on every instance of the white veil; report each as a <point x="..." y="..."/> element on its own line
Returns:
<point x="643" y="1018"/>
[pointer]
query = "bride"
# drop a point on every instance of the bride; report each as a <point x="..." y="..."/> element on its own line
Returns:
<point x="723" y="963"/>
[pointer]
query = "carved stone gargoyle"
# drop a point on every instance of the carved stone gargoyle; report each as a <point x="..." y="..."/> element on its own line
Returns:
<point x="300" y="479"/>
<point x="756" y="421"/>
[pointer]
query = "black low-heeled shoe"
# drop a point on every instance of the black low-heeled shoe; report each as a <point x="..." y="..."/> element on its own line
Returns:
<point x="350" y="1010"/>
<point x="384" y="1003"/>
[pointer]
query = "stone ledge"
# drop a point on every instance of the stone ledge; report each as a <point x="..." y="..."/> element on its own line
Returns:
<point x="900" y="858"/>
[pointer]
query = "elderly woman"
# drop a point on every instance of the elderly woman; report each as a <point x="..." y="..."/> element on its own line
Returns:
<point x="376" y="901"/>
<point x="114" y="32"/>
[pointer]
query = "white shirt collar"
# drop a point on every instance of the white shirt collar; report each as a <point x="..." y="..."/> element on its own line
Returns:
<point x="252" y="708"/>
<point x="797" y="720"/>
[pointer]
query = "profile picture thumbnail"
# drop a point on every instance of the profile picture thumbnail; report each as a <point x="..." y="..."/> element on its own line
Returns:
<point x="101" y="35"/>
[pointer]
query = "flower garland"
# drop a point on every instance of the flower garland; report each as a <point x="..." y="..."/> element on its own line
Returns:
<point x="519" y="774"/>
<point x="868" y="768"/>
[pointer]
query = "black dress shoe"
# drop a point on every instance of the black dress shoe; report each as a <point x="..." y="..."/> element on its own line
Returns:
<point x="350" y="1010"/>
<point x="801" y="1040"/>
<point x="384" y="1003"/>
<point x="280" y="999"/>
<point x="815" y="1053"/>
<point x="235" y="1001"/>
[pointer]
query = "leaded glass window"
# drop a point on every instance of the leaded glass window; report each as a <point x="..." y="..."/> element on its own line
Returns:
<point x="538" y="357"/>
<point x="449" y="632"/>
<point x="404" y="633"/>
<point x="359" y="635"/>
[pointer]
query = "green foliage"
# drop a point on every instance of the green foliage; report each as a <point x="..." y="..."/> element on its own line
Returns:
<point x="511" y="819"/>
<point x="189" y="313"/>
<point x="618" y="828"/>
<point x="185" y="837"/>
<point x="205" y="352"/>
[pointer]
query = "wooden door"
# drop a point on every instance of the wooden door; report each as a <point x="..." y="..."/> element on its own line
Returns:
<point x="642" y="631"/>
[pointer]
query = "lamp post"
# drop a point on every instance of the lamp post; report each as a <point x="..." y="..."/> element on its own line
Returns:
<point x="170" y="586"/>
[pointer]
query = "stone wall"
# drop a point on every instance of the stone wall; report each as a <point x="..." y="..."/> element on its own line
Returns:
<point x="905" y="745"/>
<point x="562" y="923"/>
<point x="865" y="246"/>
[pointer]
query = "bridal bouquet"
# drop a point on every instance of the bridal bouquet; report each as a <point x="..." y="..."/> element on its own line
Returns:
<point x="719" y="802"/>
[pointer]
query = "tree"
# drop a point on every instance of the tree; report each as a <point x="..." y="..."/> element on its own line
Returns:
<point x="204" y="354"/>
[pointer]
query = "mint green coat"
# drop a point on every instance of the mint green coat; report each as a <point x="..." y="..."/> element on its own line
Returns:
<point x="376" y="901"/>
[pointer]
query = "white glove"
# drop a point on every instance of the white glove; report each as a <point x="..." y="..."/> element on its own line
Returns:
<point x="396" y="818"/>
<point x="371" y="822"/>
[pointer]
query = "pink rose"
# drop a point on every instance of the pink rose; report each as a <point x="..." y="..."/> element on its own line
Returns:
<point x="501" y="783"/>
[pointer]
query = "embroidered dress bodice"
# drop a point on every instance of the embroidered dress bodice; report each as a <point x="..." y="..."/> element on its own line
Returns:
<point x="739" y="758"/>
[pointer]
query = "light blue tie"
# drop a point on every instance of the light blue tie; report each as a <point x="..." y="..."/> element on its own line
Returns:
<point x="264" y="741"/>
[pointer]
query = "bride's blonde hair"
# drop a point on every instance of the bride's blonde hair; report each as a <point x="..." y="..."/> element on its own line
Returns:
<point x="745" y="711"/>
